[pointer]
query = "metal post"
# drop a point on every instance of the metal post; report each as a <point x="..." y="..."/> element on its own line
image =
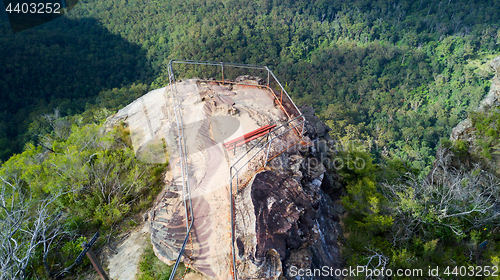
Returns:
<point x="233" y="251"/>
<point x="95" y="263"/>
<point x="268" y="149"/>
<point x="222" y="65"/>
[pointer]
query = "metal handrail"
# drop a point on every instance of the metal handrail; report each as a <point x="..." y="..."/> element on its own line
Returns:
<point x="268" y="145"/>
<point x="268" y="141"/>
<point x="213" y="63"/>
<point x="188" y="206"/>
<point x="183" y="153"/>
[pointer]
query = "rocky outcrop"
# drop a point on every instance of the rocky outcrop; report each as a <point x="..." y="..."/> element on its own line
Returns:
<point x="492" y="99"/>
<point x="247" y="79"/>
<point x="284" y="218"/>
<point x="466" y="132"/>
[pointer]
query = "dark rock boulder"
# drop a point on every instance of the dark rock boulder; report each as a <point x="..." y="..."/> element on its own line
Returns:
<point x="284" y="218"/>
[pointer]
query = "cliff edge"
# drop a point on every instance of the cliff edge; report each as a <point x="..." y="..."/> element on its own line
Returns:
<point x="475" y="139"/>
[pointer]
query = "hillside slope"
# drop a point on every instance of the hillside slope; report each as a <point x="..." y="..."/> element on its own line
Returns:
<point x="474" y="141"/>
<point x="399" y="73"/>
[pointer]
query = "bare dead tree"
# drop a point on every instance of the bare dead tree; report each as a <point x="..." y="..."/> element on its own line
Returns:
<point x="375" y="260"/>
<point x="59" y="125"/>
<point x="24" y="226"/>
<point x="457" y="199"/>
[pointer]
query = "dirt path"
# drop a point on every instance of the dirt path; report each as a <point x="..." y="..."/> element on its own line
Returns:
<point x="124" y="264"/>
<point x="210" y="196"/>
<point x="210" y="246"/>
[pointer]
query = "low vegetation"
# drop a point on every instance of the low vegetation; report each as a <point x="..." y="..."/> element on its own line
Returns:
<point x="151" y="268"/>
<point x="79" y="180"/>
<point x="406" y="221"/>
<point x="487" y="124"/>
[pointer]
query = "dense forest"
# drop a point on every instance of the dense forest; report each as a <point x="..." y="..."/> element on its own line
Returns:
<point x="396" y="75"/>
<point x="401" y="73"/>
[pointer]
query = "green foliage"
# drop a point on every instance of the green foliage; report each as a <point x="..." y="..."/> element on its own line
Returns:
<point x="459" y="147"/>
<point x="356" y="160"/>
<point x="364" y="205"/>
<point x="111" y="212"/>
<point x="401" y="73"/>
<point x="413" y="223"/>
<point x="71" y="249"/>
<point x="495" y="260"/>
<point x="487" y="125"/>
<point x="93" y="175"/>
<point x="395" y="170"/>
<point x="151" y="268"/>
<point x="430" y="247"/>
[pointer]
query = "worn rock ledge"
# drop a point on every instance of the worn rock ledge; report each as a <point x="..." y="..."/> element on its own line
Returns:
<point x="284" y="218"/>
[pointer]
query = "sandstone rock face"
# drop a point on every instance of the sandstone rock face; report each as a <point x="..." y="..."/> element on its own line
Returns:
<point x="149" y="120"/>
<point x="284" y="218"/>
<point x="465" y="131"/>
<point x="493" y="97"/>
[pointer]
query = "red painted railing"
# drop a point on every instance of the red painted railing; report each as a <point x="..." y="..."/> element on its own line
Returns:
<point x="248" y="137"/>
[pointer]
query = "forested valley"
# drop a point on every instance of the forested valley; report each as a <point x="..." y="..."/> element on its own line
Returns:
<point x="398" y="75"/>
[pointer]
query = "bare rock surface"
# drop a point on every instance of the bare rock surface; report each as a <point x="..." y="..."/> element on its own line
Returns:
<point x="466" y="132"/>
<point x="283" y="217"/>
<point x="209" y="243"/>
<point x="124" y="264"/>
<point x="149" y="120"/>
<point x="493" y="96"/>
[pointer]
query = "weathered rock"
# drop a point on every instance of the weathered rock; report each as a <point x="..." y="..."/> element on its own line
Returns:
<point x="250" y="80"/>
<point x="282" y="218"/>
<point x="466" y="132"/>
<point x="493" y="96"/>
<point x="284" y="212"/>
<point x="315" y="127"/>
<point x="463" y="131"/>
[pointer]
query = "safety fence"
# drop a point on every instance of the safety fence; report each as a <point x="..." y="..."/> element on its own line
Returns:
<point x="186" y="191"/>
<point x="260" y="152"/>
